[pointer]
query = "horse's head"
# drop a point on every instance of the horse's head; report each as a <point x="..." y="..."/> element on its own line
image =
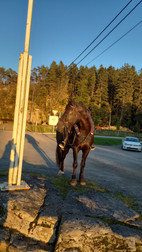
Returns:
<point x="67" y="120"/>
<point x="74" y="113"/>
<point x="65" y="123"/>
<point x="61" y="130"/>
<point x="60" y="126"/>
<point x="71" y="114"/>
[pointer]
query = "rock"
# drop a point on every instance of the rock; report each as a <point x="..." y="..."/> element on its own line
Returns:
<point x="4" y="239"/>
<point x="2" y="212"/>
<point x="99" y="205"/>
<point x="49" y="217"/>
<point x="23" y="208"/>
<point x="21" y="243"/>
<point x="40" y="220"/>
<point x="88" y="224"/>
<point x="85" y="234"/>
<point x="45" y="231"/>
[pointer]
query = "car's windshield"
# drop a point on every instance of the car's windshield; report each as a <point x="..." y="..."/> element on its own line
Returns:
<point x="132" y="139"/>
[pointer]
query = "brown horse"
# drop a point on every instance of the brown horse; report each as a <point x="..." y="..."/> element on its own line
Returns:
<point x="75" y="114"/>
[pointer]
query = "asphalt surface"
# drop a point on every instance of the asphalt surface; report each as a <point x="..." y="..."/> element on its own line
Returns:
<point x="108" y="166"/>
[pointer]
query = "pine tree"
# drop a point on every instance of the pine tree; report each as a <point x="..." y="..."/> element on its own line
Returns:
<point x="82" y="93"/>
<point x="101" y="92"/>
<point x="112" y="82"/>
<point x="91" y="83"/>
<point x="72" y="81"/>
<point x="124" y="93"/>
<point x="136" y="113"/>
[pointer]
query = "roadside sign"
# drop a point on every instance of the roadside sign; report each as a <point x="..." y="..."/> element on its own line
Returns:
<point x="53" y="120"/>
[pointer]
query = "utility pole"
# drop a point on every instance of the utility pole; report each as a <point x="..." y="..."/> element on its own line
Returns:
<point x="20" y="115"/>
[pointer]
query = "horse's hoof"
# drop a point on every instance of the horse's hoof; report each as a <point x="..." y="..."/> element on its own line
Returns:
<point x="73" y="182"/>
<point x="60" y="173"/>
<point x="61" y="145"/>
<point x="82" y="182"/>
<point x="92" y="148"/>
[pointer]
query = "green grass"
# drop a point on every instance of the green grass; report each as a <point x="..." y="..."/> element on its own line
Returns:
<point x="63" y="185"/>
<point x="93" y="186"/>
<point x="107" y="141"/>
<point x="39" y="128"/>
<point x="128" y="200"/>
<point x="118" y="133"/>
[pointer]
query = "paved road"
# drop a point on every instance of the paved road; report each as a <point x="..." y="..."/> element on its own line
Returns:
<point x="110" y="167"/>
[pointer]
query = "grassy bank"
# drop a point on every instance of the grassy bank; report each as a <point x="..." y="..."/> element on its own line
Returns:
<point x="50" y="129"/>
<point x="40" y="128"/>
<point x="107" y="141"/>
<point x="111" y="133"/>
<point x="117" y="133"/>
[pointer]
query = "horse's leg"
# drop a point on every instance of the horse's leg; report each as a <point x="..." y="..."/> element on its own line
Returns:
<point x="84" y="156"/>
<point x="75" y="154"/>
<point x="62" y="155"/>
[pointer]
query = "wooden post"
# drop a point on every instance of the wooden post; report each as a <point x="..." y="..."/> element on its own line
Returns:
<point x="18" y="137"/>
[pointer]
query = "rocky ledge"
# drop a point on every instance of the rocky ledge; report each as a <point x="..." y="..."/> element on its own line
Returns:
<point x="52" y="218"/>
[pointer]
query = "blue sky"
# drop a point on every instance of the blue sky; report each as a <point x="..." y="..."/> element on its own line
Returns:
<point x="62" y="29"/>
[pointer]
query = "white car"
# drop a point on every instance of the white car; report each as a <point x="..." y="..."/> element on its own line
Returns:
<point x="131" y="143"/>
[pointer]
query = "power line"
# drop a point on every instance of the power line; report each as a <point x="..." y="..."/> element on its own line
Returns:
<point x="115" y="42"/>
<point x="101" y="32"/>
<point x="110" y="31"/>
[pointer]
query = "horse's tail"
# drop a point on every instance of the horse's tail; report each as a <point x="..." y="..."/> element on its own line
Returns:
<point x="57" y="157"/>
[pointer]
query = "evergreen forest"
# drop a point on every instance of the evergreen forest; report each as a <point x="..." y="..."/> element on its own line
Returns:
<point x="114" y="96"/>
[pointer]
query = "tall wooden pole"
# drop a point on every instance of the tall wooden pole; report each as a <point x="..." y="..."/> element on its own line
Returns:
<point x="28" y="26"/>
<point x="19" y="127"/>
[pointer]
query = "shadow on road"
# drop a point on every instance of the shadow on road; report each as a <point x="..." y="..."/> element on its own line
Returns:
<point x="41" y="152"/>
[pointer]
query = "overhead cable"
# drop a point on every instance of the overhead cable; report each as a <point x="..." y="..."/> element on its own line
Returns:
<point x="114" y="43"/>
<point x="110" y="31"/>
<point x="101" y="32"/>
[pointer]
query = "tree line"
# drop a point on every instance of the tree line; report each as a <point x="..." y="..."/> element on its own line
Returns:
<point x="114" y="96"/>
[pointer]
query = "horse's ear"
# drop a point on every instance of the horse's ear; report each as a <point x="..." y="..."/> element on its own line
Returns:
<point x="71" y="102"/>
